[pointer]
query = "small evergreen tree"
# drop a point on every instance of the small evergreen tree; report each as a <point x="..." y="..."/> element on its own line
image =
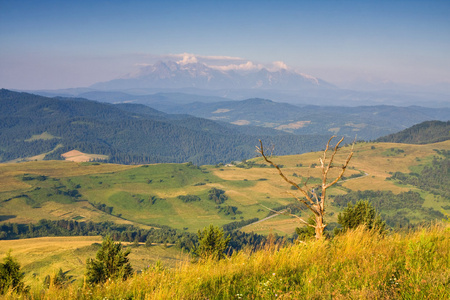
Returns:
<point x="212" y="243"/>
<point x="362" y="213"/>
<point x="10" y="275"/>
<point x="111" y="263"/>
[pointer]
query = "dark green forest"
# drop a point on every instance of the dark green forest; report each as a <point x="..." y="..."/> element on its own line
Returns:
<point x="424" y="133"/>
<point x="128" y="137"/>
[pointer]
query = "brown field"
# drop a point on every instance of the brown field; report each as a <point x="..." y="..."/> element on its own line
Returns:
<point x="39" y="257"/>
<point x="241" y="122"/>
<point x="295" y="125"/>
<point x="77" y="156"/>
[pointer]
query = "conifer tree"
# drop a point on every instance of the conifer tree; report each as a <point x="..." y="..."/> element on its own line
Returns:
<point x="11" y="277"/>
<point x="212" y="243"/>
<point x="111" y="263"/>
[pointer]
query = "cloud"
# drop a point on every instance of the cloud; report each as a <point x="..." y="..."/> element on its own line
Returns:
<point x="219" y="62"/>
<point x="221" y="57"/>
<point x="240" y="67"/>
<point x="184" y="58"/>
<point x="187" y="59"/>
<point x="278" y="65"/>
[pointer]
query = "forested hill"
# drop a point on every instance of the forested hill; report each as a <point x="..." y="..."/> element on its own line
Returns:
<point x="32" y="125"/>
<point x="424" y="133"/>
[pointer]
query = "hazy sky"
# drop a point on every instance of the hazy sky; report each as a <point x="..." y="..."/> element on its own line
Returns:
<point x="61" y="44"/>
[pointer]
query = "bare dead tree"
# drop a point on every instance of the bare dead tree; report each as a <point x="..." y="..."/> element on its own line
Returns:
<point x="311" y="199"/>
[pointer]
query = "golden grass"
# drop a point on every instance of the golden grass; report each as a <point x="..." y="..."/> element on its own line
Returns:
<point x="356" y="265"/>
<point x="40" y="257"/>
<point x="281" y="225"/>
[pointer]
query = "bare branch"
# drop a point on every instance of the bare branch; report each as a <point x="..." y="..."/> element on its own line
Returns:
<point x="260" y="150"/>
<point x="317" y="206"/>
<point x="344" y="166"/>
<point x="288" y="214"/>
<point x="309" y="205"/>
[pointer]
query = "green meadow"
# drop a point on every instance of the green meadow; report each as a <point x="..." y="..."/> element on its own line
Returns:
<point x="147" y="195"/>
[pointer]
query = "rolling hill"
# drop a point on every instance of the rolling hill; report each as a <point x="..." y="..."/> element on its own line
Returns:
<point x="423" y="133"/>
<point x="32" y="125"/>
<point x="367" y="122"/>
<point x="159" y="194"/>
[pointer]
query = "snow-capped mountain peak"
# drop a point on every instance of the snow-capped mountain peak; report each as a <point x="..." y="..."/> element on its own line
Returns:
<point x="191" y="73"/>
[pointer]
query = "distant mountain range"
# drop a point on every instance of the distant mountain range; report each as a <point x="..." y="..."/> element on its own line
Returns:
<point x="128" y="133"/>
<point x="200" y="82"/>
<point x="365" y="122"/>
<point x="175" y="75"/>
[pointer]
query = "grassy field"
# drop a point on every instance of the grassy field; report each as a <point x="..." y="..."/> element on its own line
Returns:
<point x="356" y="265"/>
<point x="40" y="257"/>
<point x="148" y="194"/>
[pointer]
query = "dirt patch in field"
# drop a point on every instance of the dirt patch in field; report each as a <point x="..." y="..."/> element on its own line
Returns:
<point x="295" y="125"/>
<point x="241" y="122"/>
<point x="221" y="111"/>
<point x="78" y="156"/>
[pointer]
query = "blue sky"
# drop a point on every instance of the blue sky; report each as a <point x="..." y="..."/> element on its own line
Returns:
<point x="61" y="44"/>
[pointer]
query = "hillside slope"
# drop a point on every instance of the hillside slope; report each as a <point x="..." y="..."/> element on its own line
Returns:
<point x="423" y="133"/>
<point x="33" y="125"/>
<point x="406" y="183"/>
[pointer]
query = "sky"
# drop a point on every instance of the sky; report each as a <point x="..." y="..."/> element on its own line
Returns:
<point x="63" y="44"/>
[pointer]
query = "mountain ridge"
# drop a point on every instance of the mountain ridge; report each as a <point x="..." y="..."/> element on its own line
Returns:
<point x="171" y="74"/>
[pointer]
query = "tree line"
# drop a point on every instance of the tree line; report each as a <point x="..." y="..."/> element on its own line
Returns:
<point x="126" y="233"/>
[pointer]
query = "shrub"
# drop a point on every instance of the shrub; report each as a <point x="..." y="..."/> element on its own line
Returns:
<point x="362" y="213"/>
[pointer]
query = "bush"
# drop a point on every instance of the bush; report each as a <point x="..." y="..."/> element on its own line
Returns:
<point x="363" y="213"/>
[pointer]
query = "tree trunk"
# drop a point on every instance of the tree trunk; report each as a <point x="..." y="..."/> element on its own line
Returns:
<point x="319" y="228"/>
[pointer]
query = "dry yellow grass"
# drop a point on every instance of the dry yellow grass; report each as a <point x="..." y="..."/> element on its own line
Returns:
<point x="39" y="257"/>
<point x="44" y="256"/>
<point x="281" y="225"/>
<point x="356" y="265"/>
<point x="78" y="156"/>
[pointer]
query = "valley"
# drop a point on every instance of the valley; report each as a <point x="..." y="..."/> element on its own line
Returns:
<point x="150" y="194"/>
